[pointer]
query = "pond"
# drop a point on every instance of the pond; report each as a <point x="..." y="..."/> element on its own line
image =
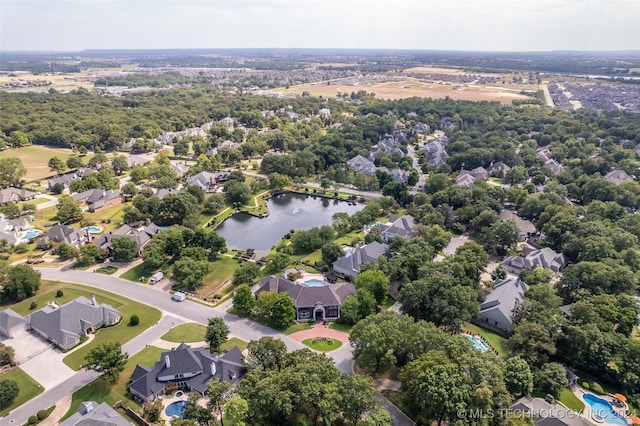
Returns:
<point x="286" y="211"/>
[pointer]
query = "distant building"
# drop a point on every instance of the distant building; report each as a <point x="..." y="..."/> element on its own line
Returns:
<point x="498" y="169"/>
<point x="618" y="177"/>
<point x="500" y="306"/>
<point x="186" y="367"/>
<point x="141" y="232"/>
<point x="66" y="179"/>
<point x="359" y="164"/>
<point x="65" y="325"/>
<point x="543" y="258"/>
<point x="15" y="195"/>
<point x="63" y="234"/>
<point x="467" y="178"/>
<point x="96" y="199"/>
<point x="397" y="226"/>
<point x="208" y="181"/>
<point x="349" y="264"/>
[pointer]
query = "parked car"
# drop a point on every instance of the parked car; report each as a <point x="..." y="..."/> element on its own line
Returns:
<point x="179" y="296"/>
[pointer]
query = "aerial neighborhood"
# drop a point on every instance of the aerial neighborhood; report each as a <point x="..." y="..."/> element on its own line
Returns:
<point x="207" y="239"/>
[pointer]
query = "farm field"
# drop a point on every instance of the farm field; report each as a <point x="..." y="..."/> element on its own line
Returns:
<point x="36" y="157"/>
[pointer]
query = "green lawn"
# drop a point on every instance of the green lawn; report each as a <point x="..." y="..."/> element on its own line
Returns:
<point x="134" y="273"/>
<point x="294" y="328"/>
<point x="101" y="391"/>
<point x="323" y="344"/>
<point x="36" y="158"/>
<point x="234" y="341"/>
<point x="313" y="258"/>
<point x="108" y="270"/>
<point x="496" y="341"/>
<point x="221" y="270"/>
<point x="29" y="388"/>
<point x="571" y="401"/>
<point x="187" y="333"/>
<point x="341" y="327"/>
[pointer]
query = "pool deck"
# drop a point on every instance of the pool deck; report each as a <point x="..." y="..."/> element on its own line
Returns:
<point x="170" y="399"/>
<point x="579" y="392"/>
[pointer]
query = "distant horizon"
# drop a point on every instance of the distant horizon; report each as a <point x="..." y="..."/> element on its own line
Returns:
<point x="434" y="25"/>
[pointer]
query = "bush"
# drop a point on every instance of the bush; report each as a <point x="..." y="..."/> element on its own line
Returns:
<point x="134" y="320"/>
<point x="33" y="305"/>
<point x="33" y="420"/>
<point x="59" y="293"/>
<point x="42" y="414"/>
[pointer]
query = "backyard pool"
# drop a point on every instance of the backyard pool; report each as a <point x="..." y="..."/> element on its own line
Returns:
<point x="175" y="409"/>
<point x="30" y="234"/>
<point x="477" y="343"/>
<point x="314" y="283"/>
<point x="603" y="410"/>
<point x="92" y="229"/>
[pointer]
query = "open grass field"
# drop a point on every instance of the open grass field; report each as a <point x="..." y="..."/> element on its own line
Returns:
<point x="221" y="269"/>
<point x="36" y="157"/>
<point x="29" y="388"/>
<point x="186" y="333"/>
<point x="571" y="401"/>
<point x="101" y="391"/>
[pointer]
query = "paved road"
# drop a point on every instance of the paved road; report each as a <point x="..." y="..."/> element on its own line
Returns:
<point x="412" y="153"/>
<point x="52" y="201"/>
<point x="547" y="95"/>
<point x="174" y="313"/>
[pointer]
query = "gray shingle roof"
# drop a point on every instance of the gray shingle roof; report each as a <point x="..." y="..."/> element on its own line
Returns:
<point x="359" y="164"/>
<point x="9" y="320"/>
<point x="91" y="414"/>
<point x="398" y="226"/>
<point x="141" y="232"/>
<point x="65" y="325"/>
<point x="507" y="294"/>
<point x="350" y="264"/>
<point x="63" y="234"/>
<point x="13" y="195"/>
<point x="304" y="296"/>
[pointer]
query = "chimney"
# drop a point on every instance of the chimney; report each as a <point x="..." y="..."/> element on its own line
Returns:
<point x="93" y="300"/>
<point x="167" y="362"/>
<point x="147" y="221"/>
<point x="213" y="368"/>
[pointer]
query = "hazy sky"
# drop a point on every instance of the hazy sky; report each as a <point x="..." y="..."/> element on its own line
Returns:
<point x="511" y="25"/>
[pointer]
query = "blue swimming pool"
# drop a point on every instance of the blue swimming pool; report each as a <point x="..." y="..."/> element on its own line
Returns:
<point x="477" y="343"/>
<point x="30" y="234"/>
<point x="603" y="409"/>
<point x="93" y="229"/>
<point x="314" y="283"/>
<point x="175" y="409"/>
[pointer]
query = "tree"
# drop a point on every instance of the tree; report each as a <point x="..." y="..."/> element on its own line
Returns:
<point x="123" y="249"/>
<point x="267" y="353"/>
<point x="69" y="210"/>
<point x="243" y="299"/>
<point x="237" y="192"/>
<point x="107" y="359"/>
<point x="374" y="281"/>
<point x="152" y="410"/>
<point x="279" y="181"/>
<point x="324" y="184"/>
<point x="331" y="252"/>
<point x="74" y="162"/>
<point x="536" y="276"/>
<point x="11" y="172"/>
<point x="358" y="397"/>
<point x="9" y="390"/>
<point x="532" y="342"/>
<point x="350" y="310"/>
<point x="57" y="165"/>
<point x="282" y="311"/>
<point x="193" y="411"/>
<point x="500" y="237"/>
<point x="518" y="377"/>
<point x="551" y="379"/>
<point x="190" y="273"/>
<point x="216" y="390"/>
<point x="129" y="190"/>
<point x="134" y="320"/>
<point x="236" y="409"/>
<point x="57" y="188"/>
<point x="216" y="334"/>
<point x="66" y="252"/>
<point x="6" y="354"/>
<point x="245" y="273"/>
<point x="277" y="262"/>
<point x="213" y="204"/>
<point x="22" y="281"/>
<point x="90" y="253"/>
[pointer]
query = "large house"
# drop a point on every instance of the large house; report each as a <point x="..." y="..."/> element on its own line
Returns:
<point x="467" y="178"/>
<point x="545" y="413"/>
<point x="208" y="181"/>
<point x="318" y="303"/>
<point x="186" y="367"/>
<point x="349" y="264"/>
<point x="499" y="307"/>
<point x="66" y="179"/>
<point x="65" y="325"/>
<point x="141" y="232"/>
<point x="10" y="229"/>
<point x="542" y="258"/>
<point x="435" y="152"/>
<point x="96" y="199"/>
<point x="90" y="413"/>
<point x="15" y="195"/>
<point x="63" y="234"/>
<point x="359" y="164"/>
<point x="397" y="226"/>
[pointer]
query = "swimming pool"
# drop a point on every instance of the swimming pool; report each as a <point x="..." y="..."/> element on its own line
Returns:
<point x="30" y="234"/>
<point x="179" y="394"/>
<point x="603" y="409"/>
<point x="92" y="229"/>
<point x="477" y="343"/>
<point x="314" y="283"/>
<point x="175" y="409"/>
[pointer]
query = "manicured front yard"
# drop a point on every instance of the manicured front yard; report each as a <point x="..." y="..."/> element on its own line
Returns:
<point x="187" y="333"/>
<point x="108" y="270"/>
<point x="571" y="401"/>
<point x="496" y="341"/>
<point x="29" y="388"/>
<point x="324" y="344"/>
<point x="294" y="328"/>
<point x="234" y="341"/>
<point x="134" y="273"/>
<point x="341" y="327"/>
<point x="101" y="391"/>
<point x="221" y="270"/>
